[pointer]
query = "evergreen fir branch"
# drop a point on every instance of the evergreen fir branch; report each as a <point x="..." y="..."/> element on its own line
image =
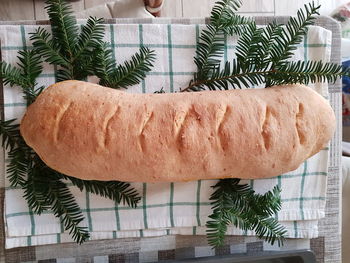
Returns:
<point x="70" y="51"/>
<point x="223" y="10"/>
<point x="270" y="35"/>
<point x="91" y="37"/>
<point x="114" y="190"/>
<point x="63" y="25"/>
<point x="249" y="48"/>
<point x="210" y="49"/>
<point x="50" y="50"/>
<point x="29" y="68"/>
<point x="47" y="47"/>
<point x="30" y="64"/>
<point x="36" y="191"/>
<point x="9" y="132"/>
<point x="18" y="167"/>
<point x="292" y="34"/>
<point x="19" y="154"/>
<point x="104" y="64"/>
<point x="57" y="196"/>
<point x="306" y="72"/>
<point x="210" y="46"/>
<point x="231" y="76"/>
<point x="133" y="71"/>
<point x="262" y="203"/>
<point x="224" y="17"/>
<point x="287" y="73"/>
<point x="12" y="75"/>
<point x="239" y="205"/>
<point x="89" y="41"/>
<point x="217" y="227"/>
<point x="235" y="24"/>
<point x="64" y="206"/>
<point x="270" y="230"/>
<point x="261" y="53"/>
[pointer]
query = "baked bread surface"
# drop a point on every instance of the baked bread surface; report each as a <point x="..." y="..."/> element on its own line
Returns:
<point x="97" y="133"/>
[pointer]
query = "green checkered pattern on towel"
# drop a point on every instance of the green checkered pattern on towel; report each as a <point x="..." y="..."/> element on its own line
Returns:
<point x="165" y="208"/>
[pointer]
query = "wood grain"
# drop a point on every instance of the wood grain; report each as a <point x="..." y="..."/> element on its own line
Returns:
<point x="40" y="11"/>
<point x="16" y="10"/>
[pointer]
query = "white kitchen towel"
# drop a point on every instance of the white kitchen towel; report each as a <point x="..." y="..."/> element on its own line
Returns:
<point x="165" y="208"/>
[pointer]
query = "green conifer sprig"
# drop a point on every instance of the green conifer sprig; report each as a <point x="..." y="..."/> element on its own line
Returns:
<point x="238" y="205"/>
<point x="122" y="76"/>
<point x="9" y="133"/>
<point x="63" y="26"/>
<point x="262" y="56"/>
<point x="293" y="33"/>
<point x="78" y="55"/>
<point x="65" y="47"/>
<point x="24" y="76"/>
<point x="210" y="47"/>
<point x="223" y="17"/>
<point x="120" y="192"/>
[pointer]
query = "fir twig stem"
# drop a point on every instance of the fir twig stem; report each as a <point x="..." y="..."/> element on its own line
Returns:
<point x="206" y="82"/>
<point x="209" y="81"/>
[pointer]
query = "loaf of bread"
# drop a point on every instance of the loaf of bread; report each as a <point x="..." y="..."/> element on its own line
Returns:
<point x="97" y="133"/>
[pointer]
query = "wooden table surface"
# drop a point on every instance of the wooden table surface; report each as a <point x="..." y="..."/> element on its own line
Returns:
<point x="34" y="9"/>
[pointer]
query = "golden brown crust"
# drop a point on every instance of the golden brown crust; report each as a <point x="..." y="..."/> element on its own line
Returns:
<point x="92" y="132"/>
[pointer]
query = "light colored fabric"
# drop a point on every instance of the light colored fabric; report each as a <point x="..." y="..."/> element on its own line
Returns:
<point x="346" y="208"/>
<point x="166" y="207"/>
<point x="346" y="170"/>
<point x="116" y="9"/>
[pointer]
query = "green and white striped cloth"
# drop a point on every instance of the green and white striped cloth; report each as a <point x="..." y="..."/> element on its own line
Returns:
<point x="165" y="208"/>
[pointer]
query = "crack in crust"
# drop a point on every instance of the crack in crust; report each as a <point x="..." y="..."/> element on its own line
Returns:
<point x="106" y="125"/>
<point x="223" y="120"/>
<point x="178" y="122"/>
<point x="142" y="138"/>
<point x="265" y="129"/>
<point x="180" y="130"/>
<point x="298" y="125"/>
<point x="60" y="116"/>
<point x="180" y="126"/>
